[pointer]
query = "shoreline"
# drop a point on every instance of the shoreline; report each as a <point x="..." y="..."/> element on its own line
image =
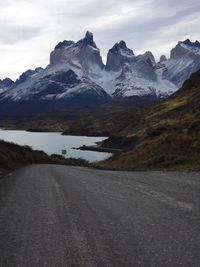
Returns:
<point x="98" y="148"/>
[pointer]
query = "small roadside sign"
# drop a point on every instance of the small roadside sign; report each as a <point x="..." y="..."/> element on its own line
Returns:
<point x="64" y="151"/>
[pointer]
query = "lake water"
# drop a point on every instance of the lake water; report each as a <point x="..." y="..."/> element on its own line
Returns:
<point x="54" y="143"/>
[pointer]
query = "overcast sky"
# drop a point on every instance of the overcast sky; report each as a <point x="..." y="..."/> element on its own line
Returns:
<point x="29" y="29"/>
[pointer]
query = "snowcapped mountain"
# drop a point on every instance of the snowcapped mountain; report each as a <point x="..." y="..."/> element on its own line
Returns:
<point x="118" y="55"/>
<point x="76" y="75"/>
<point x="65" y="81"/>
<point x="184" y="60"/>
<point x="27" y="75"/>
<point x="5" y="84"/>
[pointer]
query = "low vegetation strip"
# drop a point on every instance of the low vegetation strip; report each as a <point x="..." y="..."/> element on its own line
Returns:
<point x="13" y="156"/>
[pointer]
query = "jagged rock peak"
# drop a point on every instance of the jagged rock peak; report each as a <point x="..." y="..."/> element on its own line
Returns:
<point x="148" y="58"/>
<point x="27" y="74"/>
<point x="163" y="58"/>
<point x="118" y="46"/>
<point x="185" y="48"/>
<point x="64" y="44"/>
<point x="6" y="83"/>
<point x="192" y="44"/>
<point x="118" y="55"/>
<point x="122" y="44"/>
<point x="87" y="40"/>
<point x="149" y="55"/>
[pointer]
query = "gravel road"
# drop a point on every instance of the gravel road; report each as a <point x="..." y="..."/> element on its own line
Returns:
<point x="69" y="216"/>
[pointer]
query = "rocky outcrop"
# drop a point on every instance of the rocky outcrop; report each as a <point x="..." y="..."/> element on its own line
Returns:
<point x="87" y="40"/>
<point x="64" y="44"/>
<point x="149" y="58"/>
<point x="6" y="83"/>
<point x="83" y="54"/>
<point x="162" y="58"/>
<point x="118" y="55"/>
<point x="184" y="60"/>
<point x="178" y="52"/>
<point x="27" y="74"/>
<point x="195" y="44"/>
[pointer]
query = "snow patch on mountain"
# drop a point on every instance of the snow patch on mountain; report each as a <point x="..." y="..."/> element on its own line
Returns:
<point x="183" y="61"/>
<point x="6" y="84"/>
<point x="76" y="70"/>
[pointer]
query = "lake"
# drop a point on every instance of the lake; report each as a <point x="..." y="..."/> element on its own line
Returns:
<point x="54" y="143"/>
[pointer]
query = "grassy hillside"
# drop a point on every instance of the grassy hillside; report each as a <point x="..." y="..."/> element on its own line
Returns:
<point x="166" y="135"/>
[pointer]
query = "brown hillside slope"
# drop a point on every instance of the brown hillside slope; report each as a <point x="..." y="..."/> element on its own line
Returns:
<point x="167" y="134"/>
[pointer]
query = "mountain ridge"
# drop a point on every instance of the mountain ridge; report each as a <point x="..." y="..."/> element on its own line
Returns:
<point x="85" y="80"/>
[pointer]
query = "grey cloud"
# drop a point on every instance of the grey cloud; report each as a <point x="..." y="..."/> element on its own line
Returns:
<point x="152" y="24"/>
<point x="139" y="33"/>
<point x="162" y="15"/>
<point x="98" y="8"/>
<point x="11" y="34"/>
